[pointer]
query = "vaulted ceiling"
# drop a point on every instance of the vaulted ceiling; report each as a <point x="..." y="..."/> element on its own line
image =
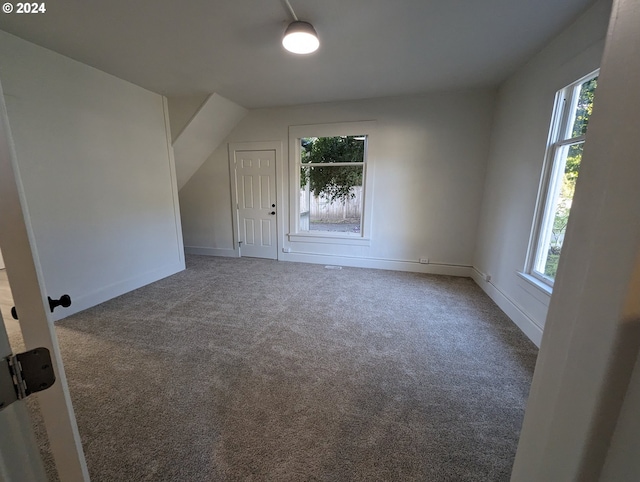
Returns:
<point x="369" y="48"/>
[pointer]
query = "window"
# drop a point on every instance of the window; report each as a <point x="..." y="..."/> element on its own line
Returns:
<point x="562" y="164"/>
<point x="330" y="191"/>
<point x="331" y="175"/>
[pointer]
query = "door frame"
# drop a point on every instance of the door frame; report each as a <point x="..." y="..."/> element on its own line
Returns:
<point x="25" y="275"/>
<point x="19" y="454"/>
<point x="256" y="146"/>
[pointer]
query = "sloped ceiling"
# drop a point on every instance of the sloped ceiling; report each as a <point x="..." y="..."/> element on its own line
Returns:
<point x="369" y="48"/>
<point x="203" y="133"/>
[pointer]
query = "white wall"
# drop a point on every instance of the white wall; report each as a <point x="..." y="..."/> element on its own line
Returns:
<point x="181" y="110"/>
<point x="203" y="133"/>
<point x="523" y="115"/>
<point x="584" y="383"/>
<point x="622" y="462"/>
<point x="95" y="159"/>
<point x="429" y="157"/>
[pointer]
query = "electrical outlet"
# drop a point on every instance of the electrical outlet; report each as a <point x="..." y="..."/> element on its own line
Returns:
<point x="424" y="260"/>
<point x="286" y="250"/>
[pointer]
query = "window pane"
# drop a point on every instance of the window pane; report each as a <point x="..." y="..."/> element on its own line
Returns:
<point x="331" y="199"/>
<point x="559" y="205"/>
<point x="584" y="107"/>
<point x="322" y="150"/>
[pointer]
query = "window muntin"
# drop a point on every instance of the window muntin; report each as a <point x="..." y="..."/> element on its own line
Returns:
<point x="331" y="184"/>
<point x="573" y="109"/>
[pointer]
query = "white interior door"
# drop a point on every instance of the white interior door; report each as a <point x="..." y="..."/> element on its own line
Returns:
<point x="25" y="277"/>
<point x="255" y="175"/>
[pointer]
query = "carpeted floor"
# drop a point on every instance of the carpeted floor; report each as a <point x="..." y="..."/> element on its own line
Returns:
<point x="248" y="369"/>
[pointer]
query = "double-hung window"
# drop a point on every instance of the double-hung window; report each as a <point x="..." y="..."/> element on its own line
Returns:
<point x="562" y="164"/>
<point x="331" y="186"/>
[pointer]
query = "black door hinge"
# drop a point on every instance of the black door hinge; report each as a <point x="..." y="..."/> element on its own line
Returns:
<point x="24" y="374"/>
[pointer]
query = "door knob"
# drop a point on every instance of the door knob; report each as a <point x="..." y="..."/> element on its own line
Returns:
<point x="64" y="301"/>
<point x="272" y="212"/>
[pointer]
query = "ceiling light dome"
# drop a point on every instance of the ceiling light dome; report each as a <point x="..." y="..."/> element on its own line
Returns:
<point x="300" y="38"/>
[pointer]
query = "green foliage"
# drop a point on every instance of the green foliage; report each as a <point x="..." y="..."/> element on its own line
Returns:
<point x="306" y="145"/>
<point x="584" y="107"/>
<point x="583" y="112"/>
<point x="572" y="167"/>
<point x="551" y="267"/>
<point x="563" y="208"/>
<point x="325" y="180"/>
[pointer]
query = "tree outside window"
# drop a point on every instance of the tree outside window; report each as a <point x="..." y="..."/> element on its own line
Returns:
<point x="331" y="183"/>
<point x="574" y="105"/>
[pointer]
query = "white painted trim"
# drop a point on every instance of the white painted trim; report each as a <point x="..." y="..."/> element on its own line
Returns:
<point x="20" y="458"/>
<point x="351" y="261"/>
<point x="564" y="104"/>
<point x="296" y="132"/>
<point x="233" y="185"/>
<point x="591" y="343"/>
<point x="329" y="238"/>
<point x="27" y="286"/>
<point x="223" y="252"/>
<point x="174" y="182"/>
<point x="116" y="289"/>
<point x="510" y="307"/>
<point x="255" y="146"/>
<point x="378" y="263"/>
<point x="541" y="288"/>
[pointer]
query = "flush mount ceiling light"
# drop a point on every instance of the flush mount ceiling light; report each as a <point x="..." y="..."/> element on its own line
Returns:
<point x="300" y="37"/>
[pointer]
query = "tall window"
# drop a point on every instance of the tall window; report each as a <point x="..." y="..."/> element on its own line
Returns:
<point x="564" y="152"/>
<point x="330" y="186"/>
<point x="331" y="175"/>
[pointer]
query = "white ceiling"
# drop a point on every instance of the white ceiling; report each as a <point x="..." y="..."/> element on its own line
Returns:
<point x="369" y="48"/>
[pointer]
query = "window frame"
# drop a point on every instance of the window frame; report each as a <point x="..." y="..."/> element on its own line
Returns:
<point x="298" y="132"/>
<point x="565" y="105"/>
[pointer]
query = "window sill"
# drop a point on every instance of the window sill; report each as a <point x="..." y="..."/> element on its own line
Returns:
<point x="535" y="282"/>
<point x="328" y="238"/>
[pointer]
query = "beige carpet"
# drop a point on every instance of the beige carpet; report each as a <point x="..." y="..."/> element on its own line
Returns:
<point x="242" y="369"/>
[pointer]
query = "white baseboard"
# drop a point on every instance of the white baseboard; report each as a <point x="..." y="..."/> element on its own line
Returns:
<point x="116" y="289"/>
<point x="353" y="262"/>
<point x="224" y="252"/>
<point x="512" y="310"/>
<point x="378" y="263"/>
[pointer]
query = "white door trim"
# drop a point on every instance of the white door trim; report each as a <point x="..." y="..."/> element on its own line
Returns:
<point x="24" y="272"/>
<point x="19" y="454"/>
<point x="257" y="146"/>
